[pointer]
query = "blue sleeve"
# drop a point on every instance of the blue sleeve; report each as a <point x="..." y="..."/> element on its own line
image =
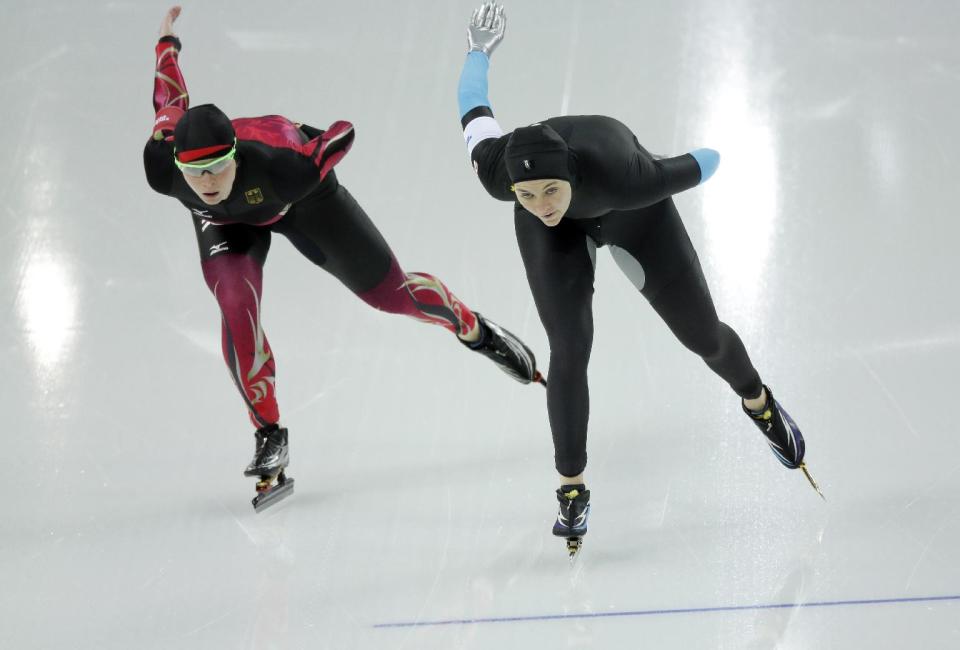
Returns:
<point x="708" y="159"/>
<point x="472" y="91"/>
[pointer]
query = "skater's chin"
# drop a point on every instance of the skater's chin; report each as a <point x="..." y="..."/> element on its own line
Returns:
<point x="552" y="218"/>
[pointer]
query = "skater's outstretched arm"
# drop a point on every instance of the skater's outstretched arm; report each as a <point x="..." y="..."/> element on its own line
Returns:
<point x="170" y="97"/>
<point x="483" y="135"/>
<point x="170" y="102"/>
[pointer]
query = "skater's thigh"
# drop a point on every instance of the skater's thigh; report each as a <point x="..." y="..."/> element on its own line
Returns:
<point x="232" y="239"/>
<point x="664" y="265"/>
<point x="334" y="232"/>
<point x="686" y="306"/>
<point x="651" y="246"/>
<point x="559" y="264"/>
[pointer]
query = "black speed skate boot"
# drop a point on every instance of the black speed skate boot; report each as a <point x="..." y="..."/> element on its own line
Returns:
<point x="572" y="519"/>
<point x="782" y="434"/>
<point x="269" y="462"/>
<point x="507" y="351"/>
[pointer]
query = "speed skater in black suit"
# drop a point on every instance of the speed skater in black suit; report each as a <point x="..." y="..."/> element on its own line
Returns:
<point x="582" y="182"/>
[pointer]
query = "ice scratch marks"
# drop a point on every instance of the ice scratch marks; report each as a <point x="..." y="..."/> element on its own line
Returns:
<point x="925" y="551"/>
<point x="246" y="531"/>
<point x="888" y="394"/>
<point x="209" y="623"/>
<point x="26" y="72"/>
<point x="917" y="344"/>
<point x="442" y="560"/>
<point x="666" y="500"/>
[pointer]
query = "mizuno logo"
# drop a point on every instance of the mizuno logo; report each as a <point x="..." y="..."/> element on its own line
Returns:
<point x="203" y="214"/>
<point x="219" y="248"/>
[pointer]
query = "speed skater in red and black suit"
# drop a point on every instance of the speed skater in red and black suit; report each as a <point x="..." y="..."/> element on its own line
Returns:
<point x="243" y="180"/>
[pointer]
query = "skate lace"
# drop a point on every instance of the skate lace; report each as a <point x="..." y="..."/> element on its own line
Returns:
<point x="569" y="507"/>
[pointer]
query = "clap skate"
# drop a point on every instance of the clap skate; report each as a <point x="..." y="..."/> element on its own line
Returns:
<point x="783" y="435"/>
<point x="269" y="462"/>
<point x="571" y="521"/>
<point x="506" y="350"/>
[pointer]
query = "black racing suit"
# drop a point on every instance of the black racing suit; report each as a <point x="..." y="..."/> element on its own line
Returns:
<point x="621" y="199"/>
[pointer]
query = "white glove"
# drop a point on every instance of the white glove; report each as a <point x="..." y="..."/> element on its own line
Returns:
<point x="486" y="28"/>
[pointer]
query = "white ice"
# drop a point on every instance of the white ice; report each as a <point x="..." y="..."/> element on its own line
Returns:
<point x="424" y="476"/>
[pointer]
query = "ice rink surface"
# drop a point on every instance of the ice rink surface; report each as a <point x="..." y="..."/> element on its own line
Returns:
<point x="424" y="476"/>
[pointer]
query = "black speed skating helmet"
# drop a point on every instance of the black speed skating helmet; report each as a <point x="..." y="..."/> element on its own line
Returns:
<point x="536" y="152"/>
<point x="203" y="132"/>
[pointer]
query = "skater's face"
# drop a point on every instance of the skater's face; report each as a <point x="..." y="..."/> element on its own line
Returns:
<point x="213" y="188"/>
<point x="546" y="199"/>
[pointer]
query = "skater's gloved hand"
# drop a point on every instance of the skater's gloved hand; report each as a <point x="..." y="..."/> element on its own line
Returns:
<point x="166" y="26"/>
<point x="486" y="28"/>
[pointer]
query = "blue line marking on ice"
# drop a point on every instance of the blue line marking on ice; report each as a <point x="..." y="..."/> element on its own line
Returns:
<point x="663" y="612"/>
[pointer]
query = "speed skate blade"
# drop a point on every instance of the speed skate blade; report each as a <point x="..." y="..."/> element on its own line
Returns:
<point x="265" y="499"/>
<point x="574" y="544"/>
<point x="813" y="483"/>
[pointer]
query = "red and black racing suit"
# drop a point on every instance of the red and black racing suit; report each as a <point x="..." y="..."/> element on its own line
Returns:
<point x="284" y="183"/>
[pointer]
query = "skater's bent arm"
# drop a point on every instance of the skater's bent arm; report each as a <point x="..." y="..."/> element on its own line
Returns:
<point x="651" y="180"/>
<point x="298" y="170"/>
<point x="326" y="150"/>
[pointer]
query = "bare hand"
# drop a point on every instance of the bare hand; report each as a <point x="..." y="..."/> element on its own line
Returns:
<point x="166" y="27"/>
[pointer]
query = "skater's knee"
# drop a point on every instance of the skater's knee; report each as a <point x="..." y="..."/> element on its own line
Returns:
<point x="708" y="344"/>
<point x="236" y="297"/>
<point x="571" y="335"/>
<point x="569" y="360"/>
<point x="393" y="294"/>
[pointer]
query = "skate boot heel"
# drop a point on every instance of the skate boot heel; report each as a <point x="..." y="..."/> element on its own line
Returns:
<point x="572" y="517"/>
<point x="505" y="349"/>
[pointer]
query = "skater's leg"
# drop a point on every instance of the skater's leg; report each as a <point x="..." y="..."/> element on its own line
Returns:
<point x="560" y="270"/>
<point x="232" y="258"/>
<point x="687" y="308"/>
<point x="660" y="260"/>
<point x="662" y="263"/>
<point x="332" y="230"/>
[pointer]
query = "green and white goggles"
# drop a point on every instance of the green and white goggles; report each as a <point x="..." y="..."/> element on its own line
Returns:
<point x="214" y="166"/>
